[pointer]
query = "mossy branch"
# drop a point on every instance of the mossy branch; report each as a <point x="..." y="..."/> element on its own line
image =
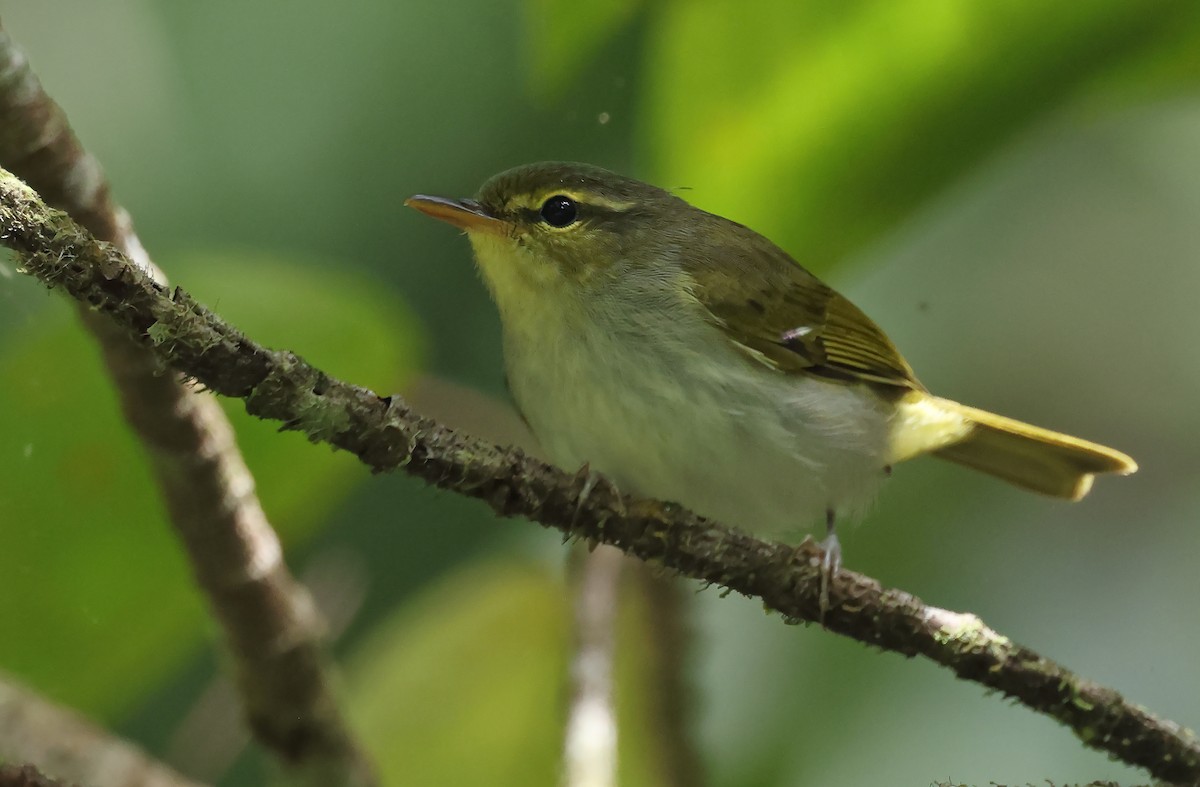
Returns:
<point x="235" y="555"/>
<point x="386" y="435"/>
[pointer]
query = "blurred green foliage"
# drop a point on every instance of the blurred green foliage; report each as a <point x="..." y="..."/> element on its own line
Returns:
<point x="481" y="653"/>
<point x="1021" y="217"/>
<point x="873" y="105"/>
<point x="562" y="37"/>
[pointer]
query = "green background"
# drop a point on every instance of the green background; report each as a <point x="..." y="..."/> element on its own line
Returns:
<point x="1009" y="188"/>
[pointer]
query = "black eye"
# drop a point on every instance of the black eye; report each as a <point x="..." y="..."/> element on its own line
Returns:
<point x="559" y="211"/>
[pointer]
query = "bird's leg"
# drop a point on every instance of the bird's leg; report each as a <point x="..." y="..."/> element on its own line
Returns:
<point x="591" y="479"/>
<point x="832" y="561"/>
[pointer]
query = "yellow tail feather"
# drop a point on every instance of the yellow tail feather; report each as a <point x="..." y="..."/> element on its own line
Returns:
<point x="1028" y="456"/>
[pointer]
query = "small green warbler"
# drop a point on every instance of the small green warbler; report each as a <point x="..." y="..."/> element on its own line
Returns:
<point x="690" y="359"/>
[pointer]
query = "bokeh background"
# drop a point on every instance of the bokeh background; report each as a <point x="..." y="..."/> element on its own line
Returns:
<point x="1010" y="188"/>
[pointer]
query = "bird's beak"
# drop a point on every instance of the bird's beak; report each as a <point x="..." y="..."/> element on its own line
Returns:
<point x="466" y="214"/>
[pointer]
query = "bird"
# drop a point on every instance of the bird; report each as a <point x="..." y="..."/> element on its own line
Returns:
<point x="688" y="358"/>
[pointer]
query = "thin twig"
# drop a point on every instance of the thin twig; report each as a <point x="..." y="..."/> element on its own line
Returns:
<point x="269" y="621"/>
<point x="386" y="435"/>
<point x="59" y="741"/>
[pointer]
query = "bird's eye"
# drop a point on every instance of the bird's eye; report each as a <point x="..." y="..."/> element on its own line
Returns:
<point x="559" y="211"/>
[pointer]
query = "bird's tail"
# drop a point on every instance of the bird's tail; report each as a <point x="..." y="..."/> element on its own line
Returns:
<point x="1022" y="454"/>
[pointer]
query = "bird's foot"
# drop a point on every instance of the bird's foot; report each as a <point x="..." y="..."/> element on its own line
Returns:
<point x="831" y="563"/>
<point x="591" y="480"/>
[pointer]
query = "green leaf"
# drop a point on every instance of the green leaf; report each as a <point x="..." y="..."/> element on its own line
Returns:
<point x="824" y="125"/>
<point x="97" y="600"/>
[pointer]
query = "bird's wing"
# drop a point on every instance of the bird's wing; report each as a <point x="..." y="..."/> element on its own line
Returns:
<point x="783" y="316"/>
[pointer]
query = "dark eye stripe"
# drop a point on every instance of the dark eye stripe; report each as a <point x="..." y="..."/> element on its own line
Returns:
<point x="585" y="213"/>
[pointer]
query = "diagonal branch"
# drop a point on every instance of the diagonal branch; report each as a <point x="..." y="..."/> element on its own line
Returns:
<point x="33" y="729"/>
<point x="270" y="624"/>
<point x="27" y="776"/>
<point x="386" y="435"/>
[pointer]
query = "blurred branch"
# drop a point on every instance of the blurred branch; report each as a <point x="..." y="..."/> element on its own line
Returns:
<point x="26" y="776"/>
<point x="33" y="729"/>
<point x="269" y="621"/>
<point x="209" y="738"/>
<point x="387" y="435"/>
<point x="604" y="582"/>
<point x="590" y="742"/>
<point x="669" y="690"/>
<point x="1049" y="783"/>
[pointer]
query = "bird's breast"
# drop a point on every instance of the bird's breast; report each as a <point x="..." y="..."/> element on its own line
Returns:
<point x="667" y="409"/>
